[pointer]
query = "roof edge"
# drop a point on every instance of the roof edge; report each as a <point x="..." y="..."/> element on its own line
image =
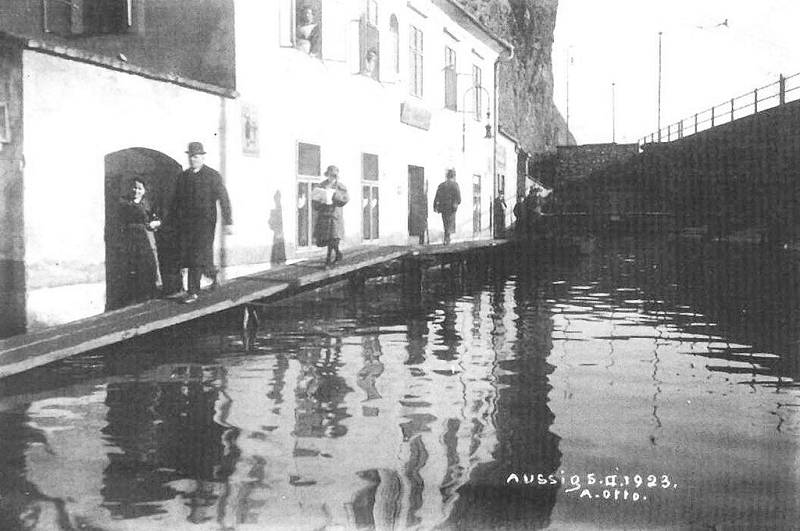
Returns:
<point x="103" y="61"/>
<point x="481" y="26"/>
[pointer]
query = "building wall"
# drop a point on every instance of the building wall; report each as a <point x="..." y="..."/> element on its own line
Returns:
<point x="64" y="152"/>
<point x="577" y="162"/>
<point x="300" y="98"/>
<point x="286" y="97"/>
<point x="194" y="39"/>
<point x="12" y="247"/>
<point x="507" y="169"/>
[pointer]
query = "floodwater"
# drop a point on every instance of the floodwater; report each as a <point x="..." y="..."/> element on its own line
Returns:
<point x="638" y="385"/>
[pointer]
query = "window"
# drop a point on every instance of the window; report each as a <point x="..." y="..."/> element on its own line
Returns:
<point x="301" y="25"/>
<point x="415" y="77"/>
<point x="369" y="197"/>
<point x="394" y="44"/>
<point x="450" y="79"/>
<point x="477" y="84"/>
<point x="369" y="41"/>
<point x="5" y="127"/>
<point x="372" y="13"/>
<point x="308" y="174"/>
<point x="87" y="17"/>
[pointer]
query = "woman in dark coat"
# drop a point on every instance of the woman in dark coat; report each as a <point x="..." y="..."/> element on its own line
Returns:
<point x="329" y="229"/>
<point x="138" y="259"/>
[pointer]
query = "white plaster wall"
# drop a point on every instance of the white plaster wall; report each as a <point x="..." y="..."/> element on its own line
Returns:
<point x="304" y="99"/>
<point x="75" y="114"/>
<point x="510" y="171"/>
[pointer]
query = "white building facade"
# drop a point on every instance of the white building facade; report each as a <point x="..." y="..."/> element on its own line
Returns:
<point x="393" y="93"/>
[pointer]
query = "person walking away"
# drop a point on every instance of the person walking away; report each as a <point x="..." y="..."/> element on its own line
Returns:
<point x="446" y="201"/>
<point x="328" y="199"/>
<point x="194" y="210"/>
<point x="139" y="260"/>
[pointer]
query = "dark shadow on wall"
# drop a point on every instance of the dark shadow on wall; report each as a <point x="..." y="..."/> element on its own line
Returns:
<point x="278" y="254"/>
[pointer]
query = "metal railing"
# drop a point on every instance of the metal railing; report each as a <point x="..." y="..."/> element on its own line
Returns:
<point x="753" y="102"/>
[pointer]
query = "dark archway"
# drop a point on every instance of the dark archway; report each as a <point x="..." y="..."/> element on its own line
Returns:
<point x="159" y="172"/>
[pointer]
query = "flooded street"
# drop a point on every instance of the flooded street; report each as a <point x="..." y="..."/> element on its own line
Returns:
<point x="641" y="385"/>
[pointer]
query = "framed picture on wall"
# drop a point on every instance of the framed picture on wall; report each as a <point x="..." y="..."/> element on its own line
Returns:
<point x="5" y="129"/>
<point x="250" y="143"/>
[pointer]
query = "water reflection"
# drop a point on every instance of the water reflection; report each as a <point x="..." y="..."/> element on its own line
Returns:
<point x="168" y="439"/>
<point x="352" y="410"/>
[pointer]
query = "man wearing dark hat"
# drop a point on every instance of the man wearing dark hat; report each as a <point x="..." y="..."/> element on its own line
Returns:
<point x="446" y="201"/>
<point x="194" y="213"/>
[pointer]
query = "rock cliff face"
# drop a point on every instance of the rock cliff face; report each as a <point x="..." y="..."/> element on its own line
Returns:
<point x="526" y="83"/>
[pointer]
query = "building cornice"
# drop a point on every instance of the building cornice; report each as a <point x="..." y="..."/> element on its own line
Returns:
<point x="118" y="64"/>
<point x="502" y="43"/>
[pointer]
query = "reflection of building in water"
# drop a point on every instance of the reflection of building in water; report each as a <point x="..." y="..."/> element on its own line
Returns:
<point x="522" y="421"/>
<point x="126" y="450"/>
<point x="166" y="433"/>
<point x="445" y="426"/>
<point x="372" y="370"/>
<point x="320" y="392"/>
<point x="22" y="504"/>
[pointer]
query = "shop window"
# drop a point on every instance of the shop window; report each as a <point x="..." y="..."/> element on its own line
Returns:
<point x="369" y="197"/>
<point x="308" y="174"/>
<point x="88" y="17"/>
<point x="394" y="45"/>
<point x="450" y="79"/>
<point x="415" y="61"/>
<point x="477" y="84"/>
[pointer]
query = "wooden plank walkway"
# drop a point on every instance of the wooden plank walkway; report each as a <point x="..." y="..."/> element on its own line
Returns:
<point x="27" y="351"/>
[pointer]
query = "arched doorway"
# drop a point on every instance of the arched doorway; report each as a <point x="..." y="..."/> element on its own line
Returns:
<point x="159" y="172"/>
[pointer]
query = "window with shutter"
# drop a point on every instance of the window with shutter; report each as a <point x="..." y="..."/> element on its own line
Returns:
<point x="415" y="61"/>
<point x="450" y="79"/>
<point x="88" y="17"/>
<point x="477" y="84"/>
<point x="394" y="43"/>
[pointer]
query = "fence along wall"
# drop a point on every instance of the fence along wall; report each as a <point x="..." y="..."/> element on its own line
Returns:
<point x="741" y="175"/>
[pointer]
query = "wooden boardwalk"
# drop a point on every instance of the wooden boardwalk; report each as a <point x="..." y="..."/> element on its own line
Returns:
<point x="27" y="351"/>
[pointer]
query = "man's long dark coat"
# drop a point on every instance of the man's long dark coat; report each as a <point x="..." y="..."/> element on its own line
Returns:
<point x="194" y="214"/>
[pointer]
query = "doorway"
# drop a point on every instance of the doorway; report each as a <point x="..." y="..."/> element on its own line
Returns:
<point x="159" y="173"/>
<point x="417" y="203"/>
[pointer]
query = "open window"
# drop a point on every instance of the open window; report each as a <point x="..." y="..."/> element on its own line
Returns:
<point x="301" y="25"/>
<point x="369" y="39"/>
<point x="88" y="17"/>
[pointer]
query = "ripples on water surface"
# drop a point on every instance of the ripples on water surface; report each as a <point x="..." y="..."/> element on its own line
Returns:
<point x="371" y="409"/>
